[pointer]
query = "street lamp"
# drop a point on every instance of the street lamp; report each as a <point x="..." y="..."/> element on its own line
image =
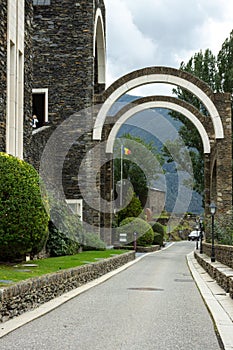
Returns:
<point x="197" y="229"/>
<point x="135" y="241"/>
<point x="201" y="234"/>
<point x="212" y="211"/>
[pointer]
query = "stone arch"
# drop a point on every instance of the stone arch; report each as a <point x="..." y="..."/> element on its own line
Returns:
<point x="215" y="128"/>
<point x="99" y="49"/>
<point x="160" y="102"/>
<point x="159" y="75"/>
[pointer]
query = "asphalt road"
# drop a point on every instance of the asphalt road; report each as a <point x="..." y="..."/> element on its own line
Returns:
<point x="154" y="304"/>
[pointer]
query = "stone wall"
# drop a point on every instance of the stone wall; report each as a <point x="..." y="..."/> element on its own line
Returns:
<point x="3" y="73"/>
<point x="29" y="294"/>
<point x="27" y="76"/>
<point x="223" y="253"/>
<point x="63" y="62"/>
<point x="218" y="271"/>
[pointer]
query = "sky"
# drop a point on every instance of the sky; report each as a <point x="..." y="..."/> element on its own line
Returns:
<point x="143" y="33"/>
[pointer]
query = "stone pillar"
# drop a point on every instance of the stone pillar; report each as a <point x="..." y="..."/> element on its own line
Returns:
<point x="28" y="72"/>
<point x="224" y="156"/>
<point x="207" y="180"/>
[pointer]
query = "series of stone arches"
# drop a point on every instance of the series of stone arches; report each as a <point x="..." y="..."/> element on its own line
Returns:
<point x="215" y="130"/>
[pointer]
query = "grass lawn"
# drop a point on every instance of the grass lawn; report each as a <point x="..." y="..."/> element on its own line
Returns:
<point x="19" y="272"/>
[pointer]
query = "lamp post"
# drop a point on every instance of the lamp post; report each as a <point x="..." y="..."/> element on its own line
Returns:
<point x="201" y="234"/>
<point x="212" y="211"/>
<point x="197" y="228"/>
<point x="135" y="241"/>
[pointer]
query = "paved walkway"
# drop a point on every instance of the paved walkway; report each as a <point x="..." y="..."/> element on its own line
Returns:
<point x="217" y="301"/>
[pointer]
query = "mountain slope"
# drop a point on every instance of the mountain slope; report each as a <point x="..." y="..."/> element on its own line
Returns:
<point x="157" y="126"/>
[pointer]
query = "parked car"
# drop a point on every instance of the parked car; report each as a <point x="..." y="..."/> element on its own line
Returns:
<point x="194" y="235"/>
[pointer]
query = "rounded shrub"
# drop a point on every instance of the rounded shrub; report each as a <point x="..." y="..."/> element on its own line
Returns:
<point x="92" y="242"/>
<point x="144" y="231"/>
<point x="157" y="227"/>
<point x="133" y="209"/>
<point x="23" y="218"/>
<point x="159" y="232"/>
<point x="158" y="239"/>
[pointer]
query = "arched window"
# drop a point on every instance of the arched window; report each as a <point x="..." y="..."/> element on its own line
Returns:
<point x="99" y="53"/>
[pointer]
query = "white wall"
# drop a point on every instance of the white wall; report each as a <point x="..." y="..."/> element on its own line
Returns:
<point x="15" y="77"/>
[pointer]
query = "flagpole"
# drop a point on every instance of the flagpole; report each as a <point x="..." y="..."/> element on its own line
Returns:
<point x="121" y="188"/>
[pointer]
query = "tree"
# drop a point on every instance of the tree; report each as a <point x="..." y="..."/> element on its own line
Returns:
<point x="225" y="65"/>
<point x="218" y="74"/>
<point x="133" y="209"/>
<point x="141" y="167"/>
<point x="182" y="156"/>
<point x="23" y="218"/>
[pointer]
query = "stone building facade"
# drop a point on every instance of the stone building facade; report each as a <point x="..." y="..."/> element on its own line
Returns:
<point x="15" y="75"/>
<point x="56" y="51"/>
<point x="156" y="200"/>
<point x="52" y="59"/>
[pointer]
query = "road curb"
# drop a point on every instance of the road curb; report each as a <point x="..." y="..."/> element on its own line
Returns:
<point x="217" y="301"/>
<point x="19" y="321"/>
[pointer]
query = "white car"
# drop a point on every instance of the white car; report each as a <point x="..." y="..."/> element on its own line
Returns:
<point x="194" y="235"/>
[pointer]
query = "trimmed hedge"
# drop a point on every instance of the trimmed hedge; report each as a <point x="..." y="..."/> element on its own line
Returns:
<point x="158" y="232"/>
<point x="23" y="218"/>
<point x="158" y="239"/>
<point x="93" y="242"/>
<point x="144" y="231"/>
<point x="133" y="209"/>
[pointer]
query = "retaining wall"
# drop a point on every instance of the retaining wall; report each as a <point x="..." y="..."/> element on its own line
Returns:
<point x="223" y="274"/>
<point x="29" y="294"/>
<point x="223" y="253"/>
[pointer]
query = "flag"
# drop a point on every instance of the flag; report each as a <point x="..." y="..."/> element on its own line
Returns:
<point x="126" y="151"/>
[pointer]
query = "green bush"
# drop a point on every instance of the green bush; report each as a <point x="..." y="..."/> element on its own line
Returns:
<point x="65" y="220"/>
<point x="133" y="209"/>
<point x="158" y="239"/>
<point x="158" y="231"/>
<point x="92" y="242"/>
<point x="144" y="231"/>
<point x="58" y="244"/>
<point x="223" y="229"/>
<point x="23" y="218"/>
<point x="157" y="227"/>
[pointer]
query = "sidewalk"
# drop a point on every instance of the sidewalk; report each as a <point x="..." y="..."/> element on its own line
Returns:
<point x="216" y="299"/>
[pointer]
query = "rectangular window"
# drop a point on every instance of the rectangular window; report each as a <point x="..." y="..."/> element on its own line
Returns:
<point x="40" y="106"/>
<point x="41" y="2"/>
<point x="20" y="110"/>
<point x="76" y="205"/>
<point x="12" y="101"/>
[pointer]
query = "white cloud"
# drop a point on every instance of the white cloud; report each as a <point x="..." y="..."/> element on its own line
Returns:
<point x="163" y="32"/>
<point x="128" y="47"/>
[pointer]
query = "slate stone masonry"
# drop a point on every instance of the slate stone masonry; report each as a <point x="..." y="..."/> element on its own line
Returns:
<point x="222" y="269"/>
<point x="27" y="76"/>
<point x="221" y="273"/>
<point x="63" y="62"/>
<point x="29" y="294"/>
<point x="223" y="253"/>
